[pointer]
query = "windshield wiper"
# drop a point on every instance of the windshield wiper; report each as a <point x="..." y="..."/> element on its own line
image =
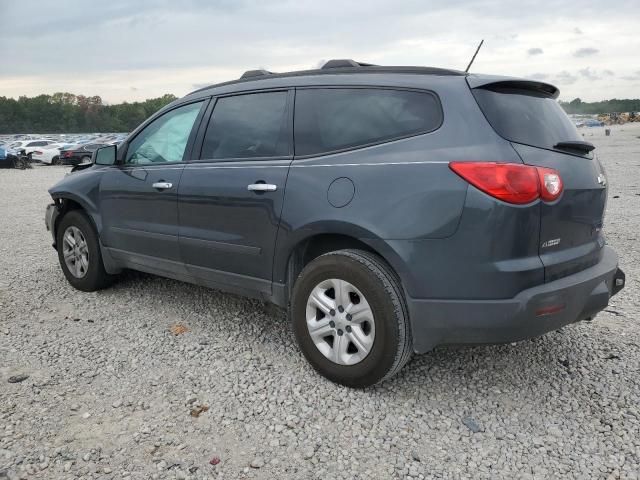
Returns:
<point x="577" y="145"/>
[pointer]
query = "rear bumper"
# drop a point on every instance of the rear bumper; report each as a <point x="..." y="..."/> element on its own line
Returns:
<point x="530" y="313"/>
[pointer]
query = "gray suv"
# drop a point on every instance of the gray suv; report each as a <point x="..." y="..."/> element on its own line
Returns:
<point x="390" y="209"/>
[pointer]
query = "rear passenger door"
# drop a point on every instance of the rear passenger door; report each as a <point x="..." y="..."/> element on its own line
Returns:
<point x="230" y="200"/>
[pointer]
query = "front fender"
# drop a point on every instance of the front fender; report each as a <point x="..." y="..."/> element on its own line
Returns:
<point x="83" y="189"/>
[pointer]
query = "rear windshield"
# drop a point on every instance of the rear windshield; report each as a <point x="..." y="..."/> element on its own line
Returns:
<point x="526" y="116"/>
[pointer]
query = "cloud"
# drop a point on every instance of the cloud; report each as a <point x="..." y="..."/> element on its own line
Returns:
<point x="589" y="74"/>
<point x="608" y="72"/>
<point x="538" y="76"/>
<point x="565" y="78"/>
<point x="585" y="52"/>
<point x="151" y="44"/>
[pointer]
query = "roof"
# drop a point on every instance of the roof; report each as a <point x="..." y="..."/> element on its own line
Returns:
<point x="333" y="67"/>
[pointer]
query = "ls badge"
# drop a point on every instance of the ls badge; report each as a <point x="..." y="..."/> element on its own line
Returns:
<point x="551" y="243"/>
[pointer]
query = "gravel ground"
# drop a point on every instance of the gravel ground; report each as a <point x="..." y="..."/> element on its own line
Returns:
<point x="110" y="389"/>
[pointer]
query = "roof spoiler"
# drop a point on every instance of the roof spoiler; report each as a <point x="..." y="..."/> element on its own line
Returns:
<point x="490" y="82"/>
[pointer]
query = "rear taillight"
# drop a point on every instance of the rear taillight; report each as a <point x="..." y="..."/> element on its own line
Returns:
<point x="67" y="154"/>
<point x="511" y="182"/>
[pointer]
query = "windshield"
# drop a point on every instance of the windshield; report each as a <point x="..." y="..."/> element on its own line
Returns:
<point x="526" y="116"/>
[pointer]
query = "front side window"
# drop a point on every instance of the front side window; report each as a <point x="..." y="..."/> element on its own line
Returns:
<point x="330" y="119"/>
<point x="246" y="126"/>
<point x="165" y="139"/>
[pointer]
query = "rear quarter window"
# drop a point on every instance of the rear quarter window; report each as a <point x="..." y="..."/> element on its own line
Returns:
<point x="332" y="119"/>
<point x="526" y="116"/>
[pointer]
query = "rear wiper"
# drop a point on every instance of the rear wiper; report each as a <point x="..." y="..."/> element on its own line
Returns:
<point x="585" y="147"/>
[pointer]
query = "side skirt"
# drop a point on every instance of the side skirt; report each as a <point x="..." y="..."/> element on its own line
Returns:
<point x="227" y="282"/>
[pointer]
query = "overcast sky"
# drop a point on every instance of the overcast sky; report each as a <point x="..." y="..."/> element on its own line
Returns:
<point x="137" y="49"/>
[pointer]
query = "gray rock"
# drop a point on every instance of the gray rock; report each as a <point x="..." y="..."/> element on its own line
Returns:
<point x="18" y="378"/>
<point x="471" y="424"/>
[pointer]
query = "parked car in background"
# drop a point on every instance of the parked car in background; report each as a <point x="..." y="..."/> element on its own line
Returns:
<point x="49" y="154"/>
<point x="390" y="209"/>
<point x="27" y="147"/>
<point x="78" y="154"/>
<point x="13" y="150"/>
<point x="3" y="156"/>
<point x="592" y="122"/>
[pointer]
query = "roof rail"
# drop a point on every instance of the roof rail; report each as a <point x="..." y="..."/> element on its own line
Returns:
<point x="255" y="73"/>
<point x="344" y="62"/>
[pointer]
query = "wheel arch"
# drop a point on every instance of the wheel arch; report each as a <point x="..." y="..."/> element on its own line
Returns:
<point x="290" y="261"/>
<point x="68" y="202"/>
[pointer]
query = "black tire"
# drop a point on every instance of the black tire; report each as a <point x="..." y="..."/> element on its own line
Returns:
<point x="56" y="160"/>
<point x="21" y="163"/>
<point x="96" y="278"/>
<point x="392" y="346"/>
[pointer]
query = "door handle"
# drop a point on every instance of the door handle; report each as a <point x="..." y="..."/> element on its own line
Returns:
<point x="162" y="185"/>
<point x="262" y="187"/>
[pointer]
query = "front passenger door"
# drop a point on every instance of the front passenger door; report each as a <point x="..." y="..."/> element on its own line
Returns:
<point x="138" y="197"/>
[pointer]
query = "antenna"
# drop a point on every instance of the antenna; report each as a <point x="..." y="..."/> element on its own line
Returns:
<point x="474" y="56"/>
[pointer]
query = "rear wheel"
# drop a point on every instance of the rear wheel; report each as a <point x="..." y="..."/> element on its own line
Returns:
<point x="79" y="253"/>
<point x="55" y="160"/>
<point x="349" y="318"/>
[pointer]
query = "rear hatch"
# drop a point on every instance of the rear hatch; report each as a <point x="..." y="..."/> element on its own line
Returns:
<point x="528" y="115"/>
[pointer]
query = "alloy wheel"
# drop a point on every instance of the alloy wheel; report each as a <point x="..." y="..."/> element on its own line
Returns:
<point x="340" y="321"/>
<point x="75" y="252"/>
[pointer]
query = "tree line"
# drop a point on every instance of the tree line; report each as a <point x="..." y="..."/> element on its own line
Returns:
<point x="605" y="106"/>
<point x="69" y="113"/>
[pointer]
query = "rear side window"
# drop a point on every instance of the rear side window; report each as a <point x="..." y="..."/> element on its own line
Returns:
<point x="246" y="126"/>
<point x="526" y="116"/>
<point x="330" y="119"/>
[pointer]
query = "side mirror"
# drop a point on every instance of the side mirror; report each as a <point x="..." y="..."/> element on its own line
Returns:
<point x="105" y="155"/>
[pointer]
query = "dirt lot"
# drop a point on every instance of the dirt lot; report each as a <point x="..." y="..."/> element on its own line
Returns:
<point x="110" y="389"/>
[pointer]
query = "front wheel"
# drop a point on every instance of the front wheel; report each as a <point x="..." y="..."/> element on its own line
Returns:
<point x="79" y="253"/>
<point x="349" y="317"/>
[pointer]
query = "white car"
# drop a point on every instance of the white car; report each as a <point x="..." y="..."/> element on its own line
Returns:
<point x="26" y="147"/>
<point x="49" y="154"/>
